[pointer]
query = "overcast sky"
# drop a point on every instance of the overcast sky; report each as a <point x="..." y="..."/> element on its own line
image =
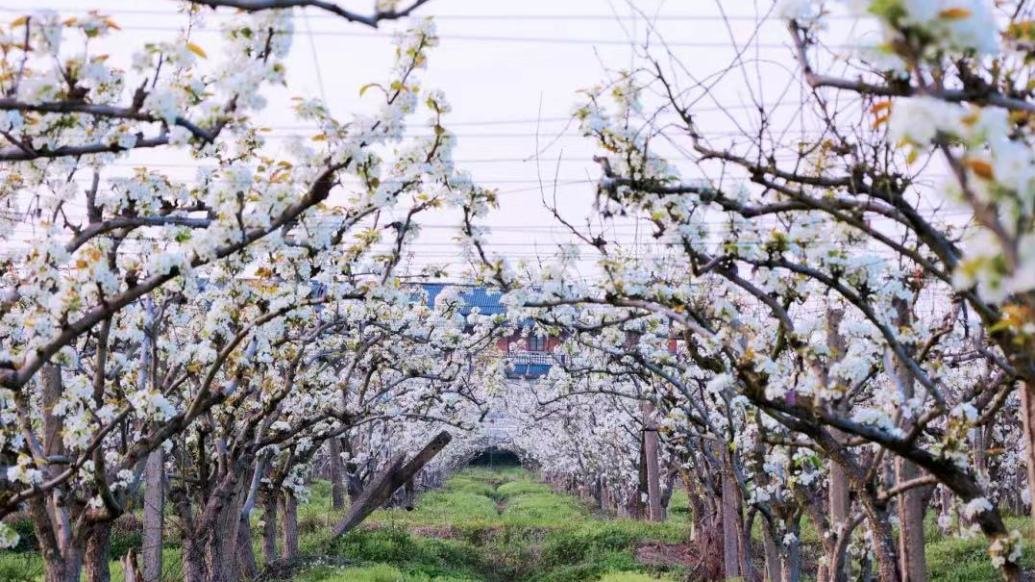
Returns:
<point x="512" y="71"/>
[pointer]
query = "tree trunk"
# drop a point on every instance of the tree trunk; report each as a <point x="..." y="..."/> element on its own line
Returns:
<point x="381" y="490"/>
<point x="638" y="498"/>
<point x="269" y="528"/>
<point x="154" y="516"/>
<point x="353" y="482"/>
<point x="773" y="572"/>
<point x="883" y="541"/>
<point x="193" y="559"/>
<point x="606" y="497"/>
<point x="979" y="444"/>
<point x="839" y="501"/>
<point x="209" y="539"/>
<point x="791" y="564"/>
<point x="61" y="551"/>
<point x="247" y="565"/>
<point x="98" y="550"/>
<point x="53" y="444"/>
<point x="221" y="549"/>
<point x="216" y="556"/>
<point x="1028" y="422"/>
<point x="730" y="519"/>
<point x="911" y="504"/>
<point x="706" y="533"/>
<point x="130" y="567"/>
<point x="946" y="521"/>
<point x="911" y="507"/>
<point x="667" y="491"/>
<point x="246" y="562"/>
<point x="289" y="524"/>
<point x="634" y="502"/>
<point x="63" y="570"/>
<point x="62" y="558"/>
<point x="840" y="512"/>
<point x="337" y="476"/>
<point x="650" y="452"/>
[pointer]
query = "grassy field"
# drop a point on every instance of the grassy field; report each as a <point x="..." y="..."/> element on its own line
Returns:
<point x="495" y="526"/>
<point x="503" y="525"/>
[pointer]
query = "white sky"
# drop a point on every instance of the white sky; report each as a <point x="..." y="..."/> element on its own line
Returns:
<point x="511" y="70"/>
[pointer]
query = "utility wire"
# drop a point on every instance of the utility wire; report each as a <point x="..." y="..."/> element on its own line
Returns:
<point x="459" y="17"/>
<point x="503" y="39"/>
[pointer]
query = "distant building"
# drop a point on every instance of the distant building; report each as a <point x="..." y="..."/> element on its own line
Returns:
<point x="527" y="355"/>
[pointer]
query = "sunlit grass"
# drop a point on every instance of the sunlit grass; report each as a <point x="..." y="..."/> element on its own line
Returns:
<point x="503" y="524"/>
<point x="498" y="525"/>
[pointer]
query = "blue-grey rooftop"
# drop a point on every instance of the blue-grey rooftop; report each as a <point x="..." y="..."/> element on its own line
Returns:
<point x="487" y="302"/>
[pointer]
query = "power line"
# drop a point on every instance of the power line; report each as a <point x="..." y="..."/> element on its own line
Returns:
<point x="473" y="17"/>
<point x="560" y="118"/>
<point x="506" y="39"/>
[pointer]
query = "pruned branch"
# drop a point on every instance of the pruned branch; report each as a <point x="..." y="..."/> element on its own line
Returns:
<point x="372" y="20"/>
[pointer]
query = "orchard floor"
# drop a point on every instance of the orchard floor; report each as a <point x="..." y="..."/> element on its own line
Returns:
<point x="503" y="525"/>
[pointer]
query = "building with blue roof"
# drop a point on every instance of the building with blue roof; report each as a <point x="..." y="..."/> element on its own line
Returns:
<point x="528" y="357"/>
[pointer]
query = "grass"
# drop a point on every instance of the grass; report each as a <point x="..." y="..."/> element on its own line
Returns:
<point x="954" y="559"/>
<point x="28" y="567"/>
<point x="506" y="526"/>
<point x="494" y="525"/>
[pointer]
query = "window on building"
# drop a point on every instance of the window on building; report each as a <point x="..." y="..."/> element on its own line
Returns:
<point x="537" y="343"/>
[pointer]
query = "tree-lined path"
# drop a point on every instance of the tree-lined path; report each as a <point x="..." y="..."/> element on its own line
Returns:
<point x="498" y="525"/>
<point x="778" y="257"/>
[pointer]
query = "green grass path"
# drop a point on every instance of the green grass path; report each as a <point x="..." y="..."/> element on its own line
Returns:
<point x="500" y="525"/>
<point x="503" y="525"/>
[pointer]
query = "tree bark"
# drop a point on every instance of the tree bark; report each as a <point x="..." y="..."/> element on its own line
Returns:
<point x="706" y="528"/>
<point x="52" y="424"/>
<point x="392" y="478"/>
<point x="154" y="516"/>
<point x="64" y="570"/>
<point x="883" y="541"/>
<point x="270" y="553"/>
<point x="62" y="553"/>
<point x="337" y="474"/>
<point x="220" y="558"/>
<point x="637" y="500"/>
<point x="193" y="560"/>
<point x="289" y="524"/>
<point x="667" y="491"/>
<point x="130" y="567"/>
<point x="773" y="570"/>
<point x="246" y="562"/>
<point x="221" y="552"/>
<point x="730" y="519"/>
<point x="838" y="498"/>
<point x="911" y="508"/>
<point x="911" y="504"/>
<point x="1028" y="422"/>
<point x="946" y="521"/>
<point x="790" y="569"/>
<point x="61" y="549"/>
<point x="979" y="444"/>
<point x="655" y="512"/>
<point x="98" y="550"/>
<point x="838" y="490"/>
<point x="840" y="512"/>
<point x="209" y="538"/>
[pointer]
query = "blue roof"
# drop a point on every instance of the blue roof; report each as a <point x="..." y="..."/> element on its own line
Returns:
<point x="528" y="370"/>
<point x="525" y="366"/>
<point x="487" y="302"/>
